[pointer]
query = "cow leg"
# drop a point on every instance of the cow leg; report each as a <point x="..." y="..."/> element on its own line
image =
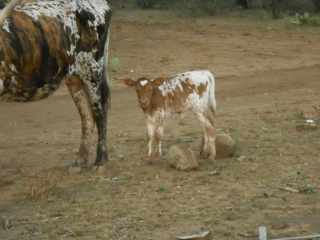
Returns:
<point x="76" y="89"/>
<point x="207" y="120"/>
<point x="99" y="112"/>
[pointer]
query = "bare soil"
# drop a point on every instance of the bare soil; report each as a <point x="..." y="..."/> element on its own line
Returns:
<point x="265" y="72"/>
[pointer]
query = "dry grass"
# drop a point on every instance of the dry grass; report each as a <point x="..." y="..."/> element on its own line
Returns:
<point x="42" y="186"/>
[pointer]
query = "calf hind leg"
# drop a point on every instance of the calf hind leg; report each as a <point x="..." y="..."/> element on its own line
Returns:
<point x="207" y="120"/>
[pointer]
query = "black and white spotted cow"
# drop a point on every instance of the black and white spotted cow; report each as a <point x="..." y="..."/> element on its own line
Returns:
<point x="47" y="43"/>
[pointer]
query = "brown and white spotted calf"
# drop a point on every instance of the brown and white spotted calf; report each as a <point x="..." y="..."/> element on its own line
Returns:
<point x="159" y="97"/>
<point x="48" y="43"/>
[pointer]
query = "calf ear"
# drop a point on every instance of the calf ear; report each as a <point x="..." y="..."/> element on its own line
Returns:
<point x="158" y="82"/>
<point x="129" y="82"/>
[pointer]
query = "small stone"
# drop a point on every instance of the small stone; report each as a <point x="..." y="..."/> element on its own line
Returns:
<point x="207" y="235"/>
<point x="231" y="217"/>
<point x="279" y="225"/>
<point x="306" y="126"/>
<point x="182" y="158"/>
<point x="99" y="169"/>
<point x="74" y="170"/>
<point x="241" y="158"/>
<point x="214" y="173"/>
<point x="7" y="224"/>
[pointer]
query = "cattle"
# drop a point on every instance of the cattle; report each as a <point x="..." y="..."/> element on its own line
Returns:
<point x="48" y="43"/>
<point x="159" y="97"/>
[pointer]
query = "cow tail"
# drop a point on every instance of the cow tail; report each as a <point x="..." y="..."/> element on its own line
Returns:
<point x="212" y="98"/>
<point x="105" y="87"/>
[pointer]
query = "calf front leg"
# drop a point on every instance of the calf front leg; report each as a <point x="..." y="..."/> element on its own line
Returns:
<point x="159" y="135"/>
<point x="150" y="136"/>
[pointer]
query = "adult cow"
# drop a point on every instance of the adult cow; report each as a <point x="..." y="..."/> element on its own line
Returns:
<point x="48" y="43"/>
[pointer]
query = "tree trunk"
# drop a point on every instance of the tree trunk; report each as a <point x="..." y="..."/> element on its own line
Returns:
<point x="274" y="9"/>
<point x="316" y="5"/>
<point x="242" y="3"/>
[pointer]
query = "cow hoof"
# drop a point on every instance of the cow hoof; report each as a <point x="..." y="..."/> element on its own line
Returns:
<point x="74" y="170"/>
<point x="99" y="169"/>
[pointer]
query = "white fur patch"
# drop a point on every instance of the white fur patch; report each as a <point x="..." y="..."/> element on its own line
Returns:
<point x="5" y="25"/>
<point x="144" y="82"/>
<point x="1" y="85"/>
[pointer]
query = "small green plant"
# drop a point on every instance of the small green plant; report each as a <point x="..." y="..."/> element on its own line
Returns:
<point x="305" y="19"/>
<point x="114" y="64"/>
<point x="238" y="149"/>
<point x="162" y="188"/>
<point x="311" y="190"/>
<point x="165" y="59"/>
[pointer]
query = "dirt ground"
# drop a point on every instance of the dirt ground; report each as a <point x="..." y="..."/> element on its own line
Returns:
<point x="265" y="72"/>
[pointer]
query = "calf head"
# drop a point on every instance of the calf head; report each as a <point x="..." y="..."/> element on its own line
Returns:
<point x="144" y="88"/>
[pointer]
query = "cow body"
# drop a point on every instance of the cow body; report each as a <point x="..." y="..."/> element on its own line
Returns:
<point x="48" y="43"/>
<point x="159" y="97"/>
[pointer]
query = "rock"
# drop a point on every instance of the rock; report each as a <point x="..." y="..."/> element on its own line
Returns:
<point x="277" y="225"/>
<point x="308" y="125"/>
<point x="182" y="158"/>
<point x="310" y="112"/>
<point x="99" y="169"/>
<point x="207" y="235"/>
<point x="74" y="170"/>
<point x="225" y="145"/>
<point x="7" y="224"/>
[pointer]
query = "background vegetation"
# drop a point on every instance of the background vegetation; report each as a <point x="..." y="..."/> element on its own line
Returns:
<point x="278" y="8"/>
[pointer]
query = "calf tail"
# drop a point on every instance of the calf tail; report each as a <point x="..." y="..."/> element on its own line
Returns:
<point x="212" y="98"/>
<point x="105" y="87"/>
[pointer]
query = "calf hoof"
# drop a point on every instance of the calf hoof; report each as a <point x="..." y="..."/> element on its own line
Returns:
<point x="205" y="154"/>
<point x="74" y="170"/>
<point x="99" y="169"/>
<point x="212" y="157"/>
<point x="149" y="161"/>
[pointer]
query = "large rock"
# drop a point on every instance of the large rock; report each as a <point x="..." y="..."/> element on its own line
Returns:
<point x="225" y="145"/>
<point x="310" y="112"/>
<point x="182" y="158"/>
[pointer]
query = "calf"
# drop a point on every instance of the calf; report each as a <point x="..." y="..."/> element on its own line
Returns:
<point x="48" y="43"/>
<point x="161" y="96"/>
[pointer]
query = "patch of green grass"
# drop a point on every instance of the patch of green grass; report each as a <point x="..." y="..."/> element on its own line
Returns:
<point x="163" y="188"/>
<point x="178" y="140"/>
<point x="165" y="59"/>
<point x="114" y="64"/>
